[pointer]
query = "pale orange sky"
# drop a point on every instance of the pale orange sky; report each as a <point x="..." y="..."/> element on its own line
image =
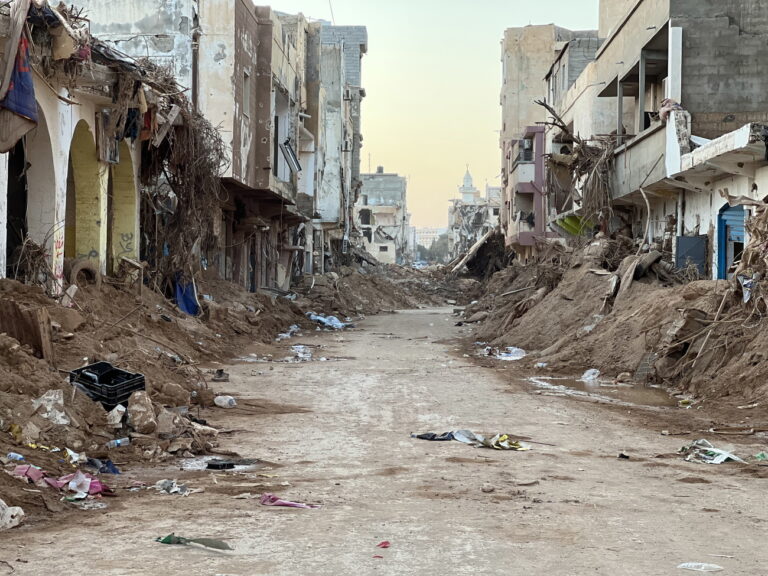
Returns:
<point x="433" y="75"/>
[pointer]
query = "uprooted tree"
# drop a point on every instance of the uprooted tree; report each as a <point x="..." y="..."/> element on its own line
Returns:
<point x="590" y="168"/>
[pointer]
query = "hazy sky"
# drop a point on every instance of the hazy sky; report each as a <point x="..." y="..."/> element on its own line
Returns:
<point x="433" y="75"/>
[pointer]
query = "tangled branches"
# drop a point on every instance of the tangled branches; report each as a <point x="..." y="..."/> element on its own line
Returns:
<point x="591" y="168"/>
<point x="182" y="178"/>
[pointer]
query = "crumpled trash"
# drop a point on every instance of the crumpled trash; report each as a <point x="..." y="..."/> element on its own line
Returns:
<point x="34" y="473"/>
<point x="182" y="541"/>
<point x="293" y="329"/>
<point x="700" y="567"/>
<point x="747" y="285"/>
<point x="81" y="483"/>
<point x="52" y="404"/>
<point x="509" y="354"/>
<point x="75" y="458"/>
<point x="268" y="499"/>
<point x="703" y="451"/>
<point x="103" y="466"/>
<point x="172" y="487"/>
<point x="10" y="516"/>
<point x="225" y="401"/>
<point x="328" y="321"/>
<point x="497" y="442"/>
<point x="591" y="375"/>
<point x="301" y="354"/>
<point x="444" y="437"/>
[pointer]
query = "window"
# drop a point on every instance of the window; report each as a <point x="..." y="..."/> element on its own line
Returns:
<point x="383" y="248"/>
<point x="246" y="93"/>
<point x="495" y="211"/>
<point x="365" y="217"/>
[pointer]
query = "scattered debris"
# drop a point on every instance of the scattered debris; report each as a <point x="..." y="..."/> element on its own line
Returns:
<point x="703" y="451"/>
<point x="172" y="487"/>
<point x="700" y="567"/>
<point x="10" y="516"/>
<point x="384" y="544"/>
<point x="509" y="354"/>
<point x="182" y="541"/>
<point x="497" y="442"/>
<point x="268" y="499"/>
<point x="591" y="376"/>
<point x="328" y="321"/>
<point x="220" y="376"/>
<point x="225" y="401"/>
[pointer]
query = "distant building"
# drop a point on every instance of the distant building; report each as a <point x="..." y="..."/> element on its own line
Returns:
<point x="473" y="215"/>
<point x="381" y="215"/>
<point x="426" y="236"/>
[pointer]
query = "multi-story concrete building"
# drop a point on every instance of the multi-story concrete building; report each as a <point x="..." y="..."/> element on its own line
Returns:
<point x="527" y="55"/>
<point x="245" y="74"/>
<point x="382" y="215"/>
<point x="673" y="90"/>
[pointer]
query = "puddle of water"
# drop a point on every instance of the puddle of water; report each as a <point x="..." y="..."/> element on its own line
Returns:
<point x="606" y="391"/>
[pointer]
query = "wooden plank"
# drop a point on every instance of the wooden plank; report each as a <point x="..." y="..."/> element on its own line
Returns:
<point x="31" y="327"/>
<point x="162" y="132"/>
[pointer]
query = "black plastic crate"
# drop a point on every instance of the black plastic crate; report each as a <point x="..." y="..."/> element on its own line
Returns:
<point x="104" y="383"/>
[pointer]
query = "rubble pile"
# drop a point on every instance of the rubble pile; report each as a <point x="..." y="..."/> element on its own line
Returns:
<point x="576" y="313"/>
<point x="368" y="290"/>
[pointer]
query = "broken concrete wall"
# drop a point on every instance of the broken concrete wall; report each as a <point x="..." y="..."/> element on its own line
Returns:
<point x="218" y="83"/>
<point x="162" y="31"/>
<point x="725" y="60"/>
<point x="330" y="195"/>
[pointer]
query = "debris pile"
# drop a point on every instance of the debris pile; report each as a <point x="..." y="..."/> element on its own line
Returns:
<point x="604" y="307"/>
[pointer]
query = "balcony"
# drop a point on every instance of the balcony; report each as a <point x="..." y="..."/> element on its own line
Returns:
<point x="640" y="163"/>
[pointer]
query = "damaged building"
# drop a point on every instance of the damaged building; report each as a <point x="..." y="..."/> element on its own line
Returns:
<point x="659" y="136"/>
<point x="472" y="216"/>
<point x="382" y="216"/>
<point x="115" y="97"/>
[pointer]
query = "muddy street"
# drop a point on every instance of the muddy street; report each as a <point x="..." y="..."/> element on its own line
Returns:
<point x="337" y="433"/>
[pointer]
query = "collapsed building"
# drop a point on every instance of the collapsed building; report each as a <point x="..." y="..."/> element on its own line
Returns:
<point x="382" y="218"/>
<point x="472" y="216"/>
<point x="117" y="101"/>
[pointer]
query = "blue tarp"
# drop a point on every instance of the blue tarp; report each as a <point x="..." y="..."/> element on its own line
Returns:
<point x="186" y="297"/>
<point x="20" y="98"/>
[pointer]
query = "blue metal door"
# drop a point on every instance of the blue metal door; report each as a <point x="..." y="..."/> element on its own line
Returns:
<point x="730" y="238"/>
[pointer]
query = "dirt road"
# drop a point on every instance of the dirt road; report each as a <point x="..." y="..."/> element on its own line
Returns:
<point x="337" y="433"/>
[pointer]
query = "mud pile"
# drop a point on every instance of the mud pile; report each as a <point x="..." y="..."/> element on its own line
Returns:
<point x="577" y="313"/>
<point x="369" y="290"/>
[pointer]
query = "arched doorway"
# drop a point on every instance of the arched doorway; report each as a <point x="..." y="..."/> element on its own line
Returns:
<point x="43" y="225"/>
<point x="730" y="239"/>
<point x="85" y="235"/>
<point x="121" y="210"/>
<point x="16" y="222"/>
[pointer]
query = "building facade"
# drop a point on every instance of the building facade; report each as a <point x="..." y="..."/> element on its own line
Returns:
<point x="382" y="216"/>
<point x="472" y="215"/>
<point x="670" y="93"/>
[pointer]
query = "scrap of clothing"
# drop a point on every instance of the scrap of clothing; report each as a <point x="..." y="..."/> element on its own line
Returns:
<point x="497" y="442"/>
